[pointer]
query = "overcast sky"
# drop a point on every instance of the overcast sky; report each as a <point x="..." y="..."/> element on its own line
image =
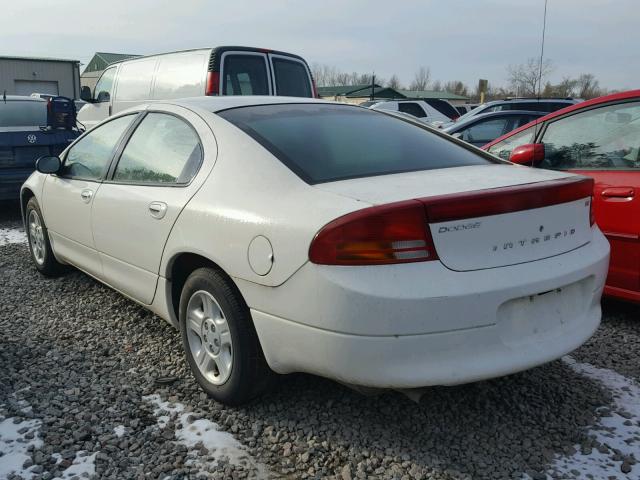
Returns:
<point x="457" y="39"/>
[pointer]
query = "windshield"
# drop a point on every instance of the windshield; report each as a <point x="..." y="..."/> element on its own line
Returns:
<point x="325" y="142"/>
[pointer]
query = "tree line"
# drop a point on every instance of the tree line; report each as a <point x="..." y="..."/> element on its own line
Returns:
<point x="528" y="79"/>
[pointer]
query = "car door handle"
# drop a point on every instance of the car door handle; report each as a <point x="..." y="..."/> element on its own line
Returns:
<point x="618" y="192"/>
<point x="86" y="195"/>
<point x="157" y="209"/>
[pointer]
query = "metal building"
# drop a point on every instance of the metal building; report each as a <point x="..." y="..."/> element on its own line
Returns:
<point x="54" y="76"/>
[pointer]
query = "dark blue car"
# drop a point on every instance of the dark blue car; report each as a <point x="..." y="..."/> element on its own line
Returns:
<point x="24" y="137"/>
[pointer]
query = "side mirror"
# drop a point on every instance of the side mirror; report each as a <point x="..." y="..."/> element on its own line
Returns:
<point x="85" y="94"/>
<point x="48" y="164"/>
<point x="103" y="97"/>
<point x="529" y="154"/>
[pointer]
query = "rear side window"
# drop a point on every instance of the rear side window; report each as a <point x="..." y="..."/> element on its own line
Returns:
<point x="323" y="143"/>
<point x="23" y="113"/>
<point x="134" y="80"/>
<point x="412" y="109"/>
<point x="179" y="76"/>
<point x="163" y="149"/>
<point x="443" y="107"/>
<point x="292" y="79"/>
<point x="245" y="75"/>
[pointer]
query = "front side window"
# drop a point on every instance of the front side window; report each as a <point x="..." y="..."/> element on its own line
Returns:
<point x="412" y="109"/>
<point x="163" y="149"/>
<point x="89" y="158"/>
<point x="325" y="142"/>
<point x="504" y="148"/>
<point x="602" y="138"/>
<point x="104" y="87"/>
<point x="245" y="75"/>
<point x="292" y="79"/>
<point x="485" y="131"/>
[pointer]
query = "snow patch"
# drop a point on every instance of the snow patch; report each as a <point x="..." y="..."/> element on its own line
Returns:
<point x="221" y="445"/>
<point x="83" y="465"/>
<point x="620" y="430"/>
<point x="119" y="430"/>
<point x="12" y="235"/>
<point x="14" y="445"/>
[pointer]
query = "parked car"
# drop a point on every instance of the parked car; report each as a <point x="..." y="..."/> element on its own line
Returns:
<point x="599" y="138"/>
<point x="430" y="110"/>
<point x="297" y="235"/>
<point x="545" y="105"/>
<point x="466" y="108"/>
<point x="192" y="73"/>
<point x="23" y="138"/>
<point x="48" y="96"/>
<point x="481" y="129"/>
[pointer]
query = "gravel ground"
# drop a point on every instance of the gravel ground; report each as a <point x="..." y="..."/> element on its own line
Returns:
<point x="100" y="383"/>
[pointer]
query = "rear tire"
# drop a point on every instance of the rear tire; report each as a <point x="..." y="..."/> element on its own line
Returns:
<point x="219" y="339"/>
<point x="39" y="245"/>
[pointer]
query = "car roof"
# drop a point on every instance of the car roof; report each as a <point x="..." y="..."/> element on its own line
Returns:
<point x="24" y="98"/>
<point x="225" y="102"/>
<point x="571" y="108"/>
<point x="481" y="116"/>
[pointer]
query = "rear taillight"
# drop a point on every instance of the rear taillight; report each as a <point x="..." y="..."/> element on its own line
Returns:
<point x="399" y="232"/>
<point x="394" y="233"/>
<point x="213" y="84"/>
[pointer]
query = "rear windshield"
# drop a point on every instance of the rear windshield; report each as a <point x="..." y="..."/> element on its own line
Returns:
<point x="27" y="113"/>
<point x="292" y="79"/>
<point x="443" y="107"/>
<point x="325" y="142"/>
<point x="245" y="75"/>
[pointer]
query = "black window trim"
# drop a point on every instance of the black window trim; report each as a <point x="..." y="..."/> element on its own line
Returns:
<point x="270" y="148"/>
<point x="123" y="136"/>
<point x="277" y="56"/>
<point x="545" y="125"/>
<point x="125" y="141"/>
<point x="252" y="53"/>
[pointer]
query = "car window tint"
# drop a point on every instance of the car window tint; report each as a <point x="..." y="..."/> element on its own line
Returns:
<point x="23" y="113"/>
<point x="504" y="148"/>
<point x="292" y="78"/>
<point x="245" y="75"/>
<point x="134" y="80"/>
<point x="104" y="87"/>
<point x="180" y="75"/>
<point x="324" y="142"/>
<point x="163" y="149"/>
<point x="601" y="138"/>
<point x="412" y="109"/>
<point x="485" y="130"/>
<point x="443" y="107"/>
<point x="89" y="158"/>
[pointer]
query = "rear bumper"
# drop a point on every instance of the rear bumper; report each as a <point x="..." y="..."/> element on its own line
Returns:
<point x="414" y="325"/>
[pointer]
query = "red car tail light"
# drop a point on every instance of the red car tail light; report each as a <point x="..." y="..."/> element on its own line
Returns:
<point x="387" y="234"/>
<point x="213" y="84"/>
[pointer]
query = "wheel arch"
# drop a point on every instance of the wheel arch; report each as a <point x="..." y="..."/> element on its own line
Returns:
<point x="26" y="194"/>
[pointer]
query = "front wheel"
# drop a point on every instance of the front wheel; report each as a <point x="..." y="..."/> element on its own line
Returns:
<point x="219" y="339"/>
<point x="39" y="245"/>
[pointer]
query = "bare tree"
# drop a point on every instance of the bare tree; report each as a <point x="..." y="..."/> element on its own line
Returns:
<point x="457" y="87"/>
<point x="437" y="86"/>
<point x="525" y="77"/>
<point x="394" y="82"/>
<point x="587" y="86"/>
<point x="421" y="79"/>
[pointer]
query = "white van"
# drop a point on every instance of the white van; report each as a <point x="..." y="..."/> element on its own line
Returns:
<point x="193" y="73"/>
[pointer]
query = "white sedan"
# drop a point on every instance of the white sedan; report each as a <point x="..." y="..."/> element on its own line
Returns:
<point x="295" y="235"/>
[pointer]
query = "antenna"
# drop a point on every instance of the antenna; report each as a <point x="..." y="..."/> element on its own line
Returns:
<point x="544" y="29"/>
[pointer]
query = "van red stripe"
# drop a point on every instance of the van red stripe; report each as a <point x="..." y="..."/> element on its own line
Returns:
<point x="495" y="201"/>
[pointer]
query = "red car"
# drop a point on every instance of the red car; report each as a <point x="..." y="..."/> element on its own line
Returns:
<point x="599" y="138"/>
